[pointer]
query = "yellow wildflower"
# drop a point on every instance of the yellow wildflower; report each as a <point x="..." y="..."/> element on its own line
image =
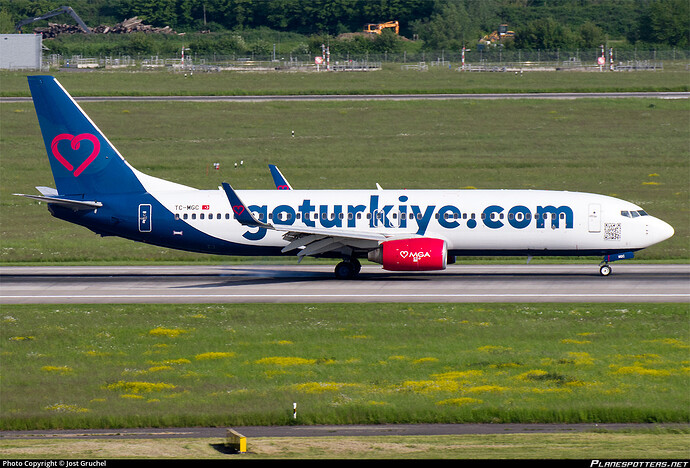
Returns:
<point x="286" y="361"/>
<point x="213" y="355"/>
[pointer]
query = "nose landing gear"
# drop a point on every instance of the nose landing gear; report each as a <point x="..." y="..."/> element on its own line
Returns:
<point x="605" y="269"/>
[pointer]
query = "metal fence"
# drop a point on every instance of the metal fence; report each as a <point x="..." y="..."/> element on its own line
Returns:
<point x="490" y="59"/>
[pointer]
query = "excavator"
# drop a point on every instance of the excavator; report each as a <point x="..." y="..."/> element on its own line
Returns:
<point x="499" y="35"/>
<point x="377" y="28"/>
<point x="58" y="11"/>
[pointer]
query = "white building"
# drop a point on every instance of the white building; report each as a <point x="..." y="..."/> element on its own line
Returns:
<point x="20" y="51"/>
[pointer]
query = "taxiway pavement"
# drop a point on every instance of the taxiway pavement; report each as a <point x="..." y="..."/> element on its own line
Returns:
<point x="376" y="97"/>
<point x="357" y="430"/>
<point x="629" y="283"/>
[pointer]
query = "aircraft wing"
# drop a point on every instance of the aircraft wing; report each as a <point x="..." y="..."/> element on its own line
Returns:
<point x="310" y="240"/>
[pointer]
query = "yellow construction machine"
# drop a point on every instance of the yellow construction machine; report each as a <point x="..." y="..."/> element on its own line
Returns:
<point x="377" y="28"/>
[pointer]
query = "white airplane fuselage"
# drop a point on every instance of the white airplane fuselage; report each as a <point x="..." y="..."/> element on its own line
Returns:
<point x="404" y="230"/>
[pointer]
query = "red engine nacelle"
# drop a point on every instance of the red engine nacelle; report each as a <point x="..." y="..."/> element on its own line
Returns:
<point x="416" y="254"/>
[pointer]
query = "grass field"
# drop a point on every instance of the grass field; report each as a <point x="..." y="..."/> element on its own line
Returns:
<point x="634" y="149"/>
<point x="79" y="366"/>
<point x="659" y="445"/>
<point x="389" y="80"/>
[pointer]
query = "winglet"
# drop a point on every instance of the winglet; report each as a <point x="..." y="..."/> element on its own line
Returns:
<point x="278" y="178"/>
<point x="242" y="213"/>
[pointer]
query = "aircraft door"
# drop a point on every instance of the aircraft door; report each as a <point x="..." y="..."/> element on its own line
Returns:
<point x="144" y="218"/>
<point x="594" y="218"/>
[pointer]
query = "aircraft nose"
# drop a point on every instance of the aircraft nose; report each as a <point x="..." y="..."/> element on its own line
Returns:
<point x="663" y="230"/>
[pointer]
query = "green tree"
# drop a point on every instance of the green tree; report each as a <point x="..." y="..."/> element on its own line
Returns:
<point x="666" y="22"/>
<point x="544" y="34"/>
<point x="6" y="23"/>
<point x="448" y="28"/>
<point x="591" y="35"/>
<point x="387" y="41"/>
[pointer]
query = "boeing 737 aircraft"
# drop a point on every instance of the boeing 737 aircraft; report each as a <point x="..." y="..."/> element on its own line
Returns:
<point x="404" y="230"/>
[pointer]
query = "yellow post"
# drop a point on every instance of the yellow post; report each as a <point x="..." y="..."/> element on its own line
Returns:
<point x="236" y="441"/>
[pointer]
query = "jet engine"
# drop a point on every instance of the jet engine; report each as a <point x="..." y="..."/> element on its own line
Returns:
<point x="415" y="254"/>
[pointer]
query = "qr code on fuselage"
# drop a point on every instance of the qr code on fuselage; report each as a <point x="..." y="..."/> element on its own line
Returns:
<point x="612" y="231"/>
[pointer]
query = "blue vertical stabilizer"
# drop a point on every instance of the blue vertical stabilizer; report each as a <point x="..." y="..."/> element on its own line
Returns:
<point x="82" y="159"/>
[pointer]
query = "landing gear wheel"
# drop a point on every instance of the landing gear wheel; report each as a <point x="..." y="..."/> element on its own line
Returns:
<point x="347" y="270"/>
<point x="605" y="270"/>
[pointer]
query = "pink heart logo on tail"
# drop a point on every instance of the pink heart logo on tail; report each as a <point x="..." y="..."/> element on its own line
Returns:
<point x="238" y="209"/>
<point x="74" y="143"/>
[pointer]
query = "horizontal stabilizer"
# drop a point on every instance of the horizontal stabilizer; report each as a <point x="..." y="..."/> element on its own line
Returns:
<point x="73" y="204"/>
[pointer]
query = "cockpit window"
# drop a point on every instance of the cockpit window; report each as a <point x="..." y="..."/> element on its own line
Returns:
<point x="634" y="214"/>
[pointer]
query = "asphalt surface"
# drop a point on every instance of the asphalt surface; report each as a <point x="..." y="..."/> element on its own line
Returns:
<point x="629" y="283"/>
<point x="373" y="97"/>
<point x="330" y="431"/>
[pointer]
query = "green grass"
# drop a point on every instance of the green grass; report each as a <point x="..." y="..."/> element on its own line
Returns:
<point x="79" y="366"/>
<point x="634" y="149"/>
<point x="391" y="80"/>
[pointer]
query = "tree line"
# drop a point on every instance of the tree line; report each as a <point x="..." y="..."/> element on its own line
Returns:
<point x="436" y="24"/>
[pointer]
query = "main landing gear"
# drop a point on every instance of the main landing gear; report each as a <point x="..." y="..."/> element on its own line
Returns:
<point x="605" y="270"/>
<point x="347" y="269"/>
